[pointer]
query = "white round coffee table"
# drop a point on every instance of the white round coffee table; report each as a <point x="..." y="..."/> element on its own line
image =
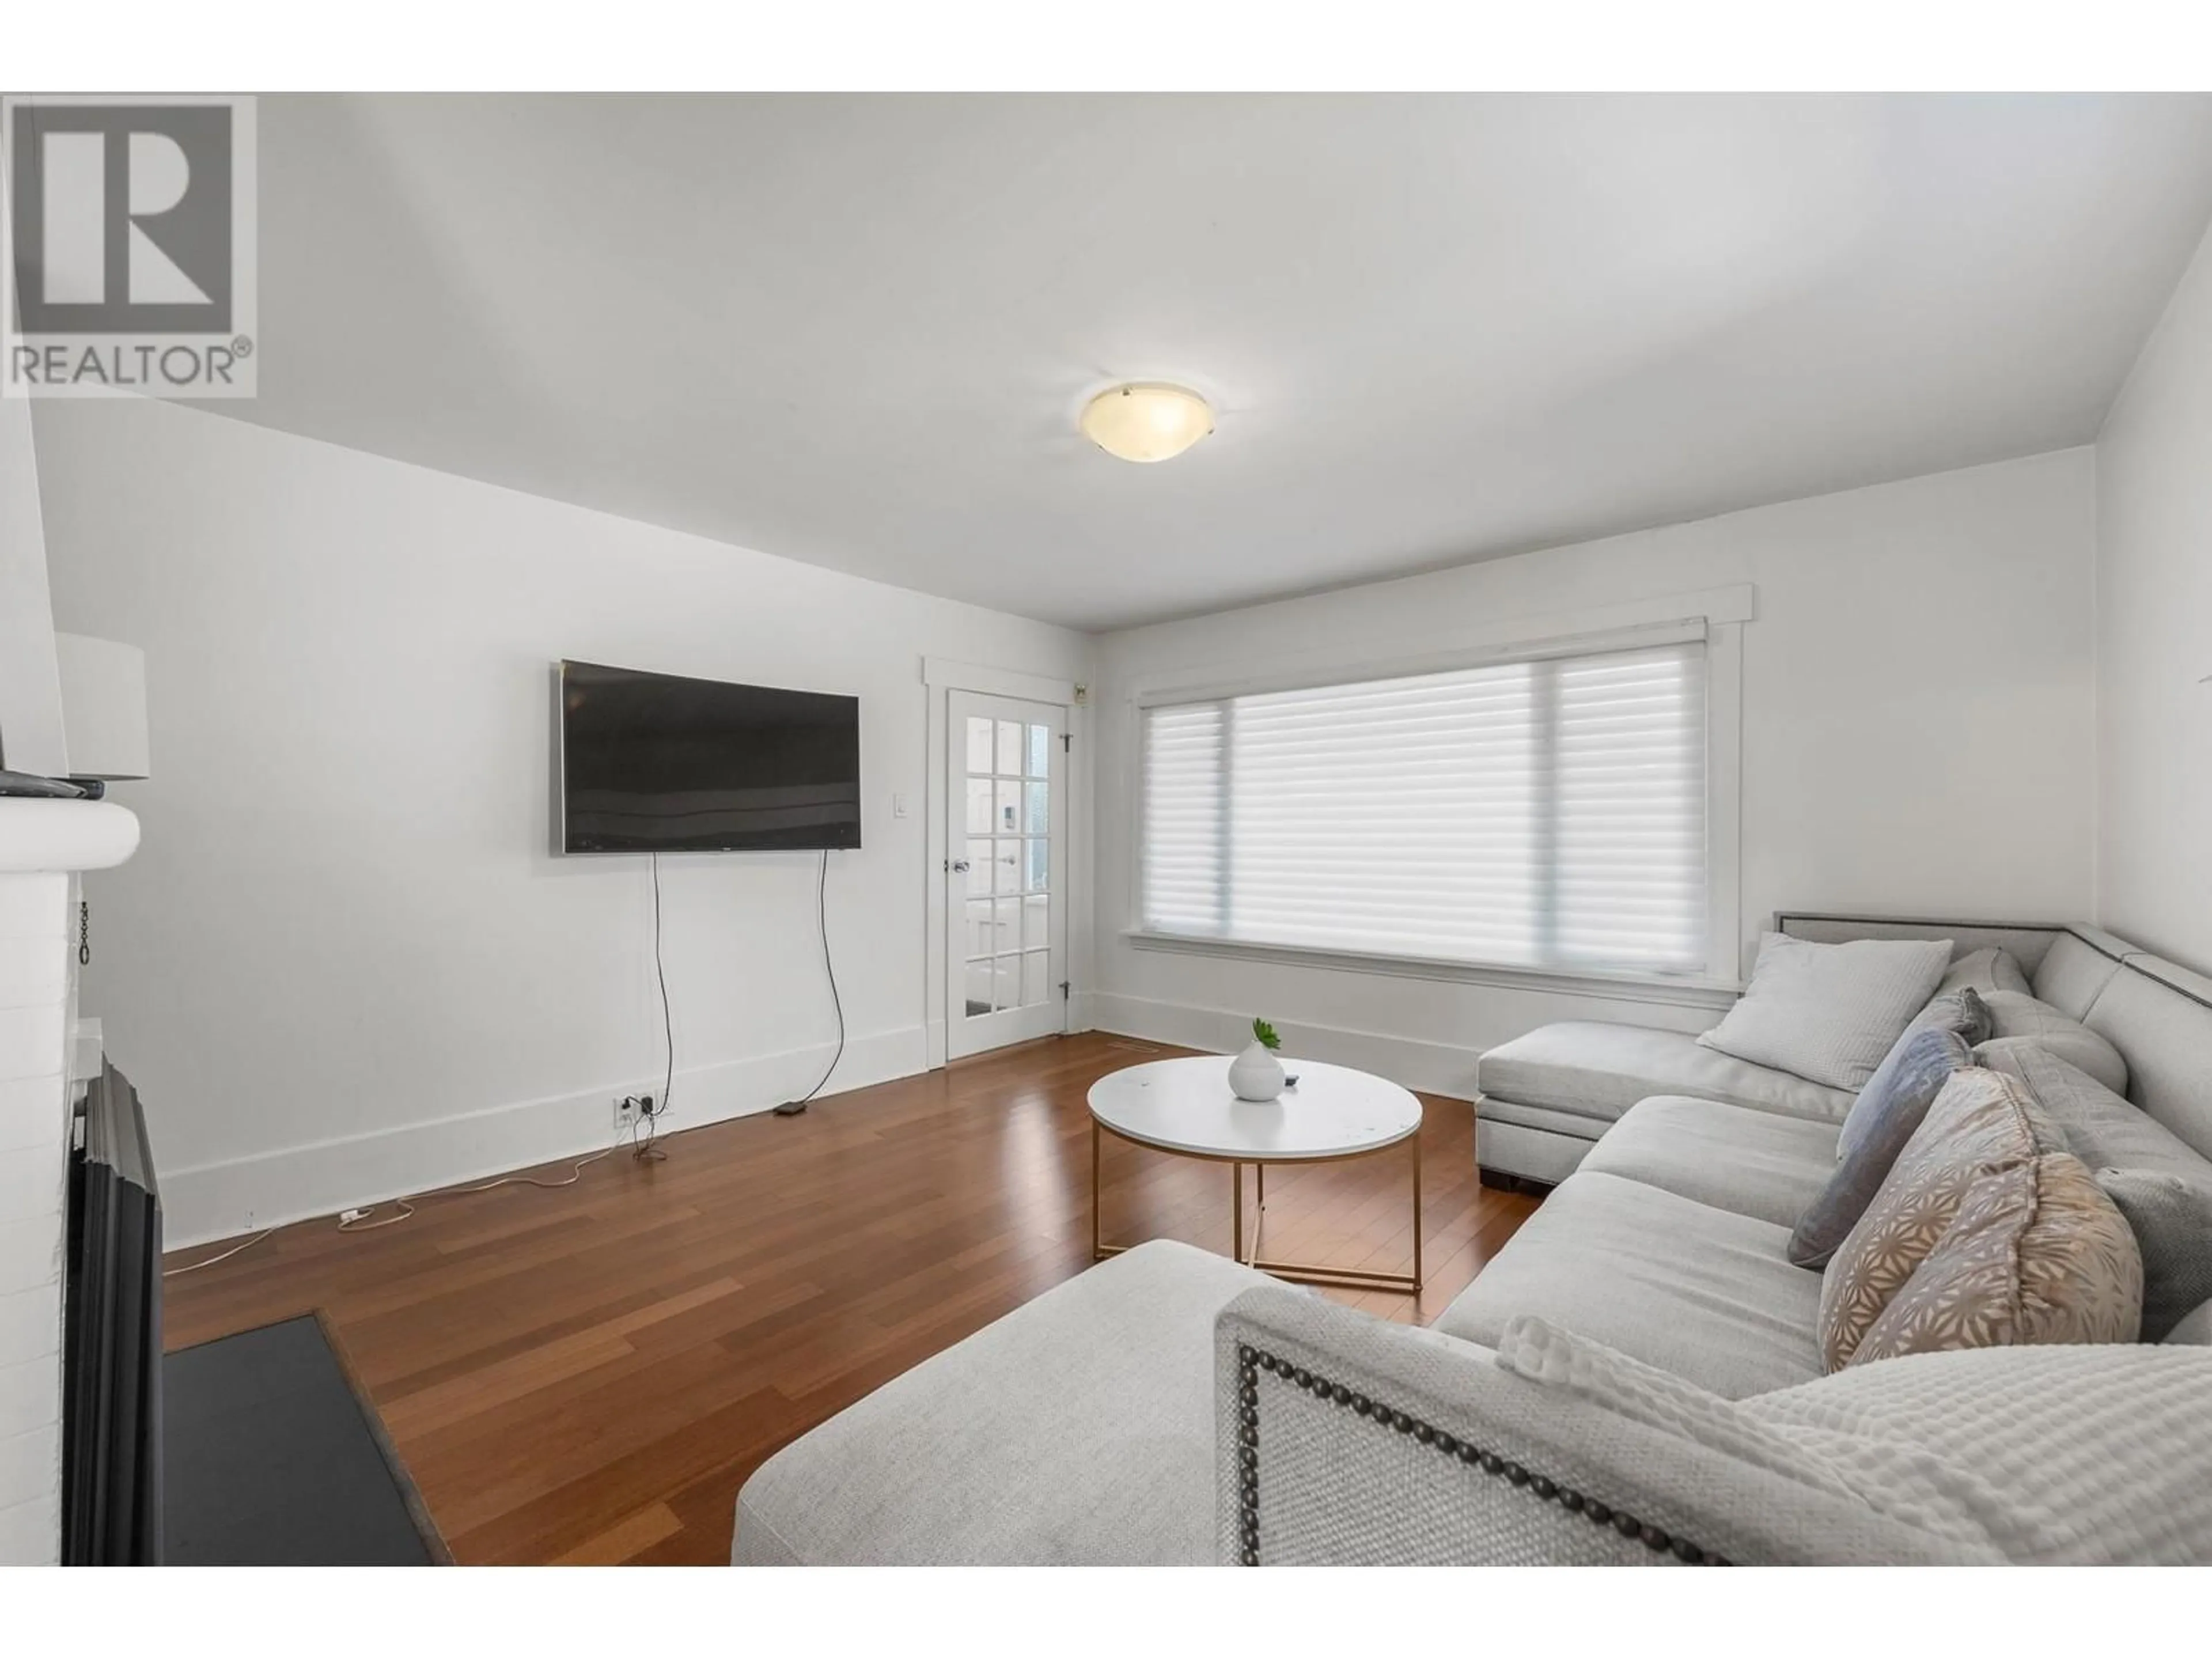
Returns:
<point x="1186" y="1107"/>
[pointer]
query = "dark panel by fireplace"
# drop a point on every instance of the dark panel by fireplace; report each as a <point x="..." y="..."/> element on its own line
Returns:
<point x="112" y="1353"/>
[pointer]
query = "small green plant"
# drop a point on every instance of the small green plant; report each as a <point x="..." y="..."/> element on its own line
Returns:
<point x="1264" y="1035"/>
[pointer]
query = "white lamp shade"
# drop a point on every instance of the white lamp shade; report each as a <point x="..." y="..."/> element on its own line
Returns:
<point x="103" y="708"/>
<point x="1144" y="423"/>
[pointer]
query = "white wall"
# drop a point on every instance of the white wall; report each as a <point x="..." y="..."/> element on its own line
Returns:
<point x="30" y="683"/>
<point x="2154" y="637"/>
<point x="34" y="1013"/>
<point x="1917" y="738"/>
<point x="346" y="964"/>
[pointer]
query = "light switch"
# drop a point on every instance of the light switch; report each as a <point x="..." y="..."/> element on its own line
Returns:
<point x="898" y="806"/>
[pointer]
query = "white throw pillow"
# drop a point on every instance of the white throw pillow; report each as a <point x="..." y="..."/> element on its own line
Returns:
<point x="1830" y="1013"/>
<point x="2091" y="1453"/>
<point x="1555" y="1358"/>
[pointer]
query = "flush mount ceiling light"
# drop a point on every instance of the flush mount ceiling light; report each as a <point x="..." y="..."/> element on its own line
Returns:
<point x="1142" y="423"/>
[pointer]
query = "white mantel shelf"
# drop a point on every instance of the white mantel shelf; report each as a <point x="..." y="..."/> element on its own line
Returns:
<point x="56" y="837"/>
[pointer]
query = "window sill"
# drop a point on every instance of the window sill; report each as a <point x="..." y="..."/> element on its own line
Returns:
<point x="1682" y="990"/>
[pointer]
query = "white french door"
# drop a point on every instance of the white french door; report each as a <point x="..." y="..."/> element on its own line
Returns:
<point x="1006" y="871"/>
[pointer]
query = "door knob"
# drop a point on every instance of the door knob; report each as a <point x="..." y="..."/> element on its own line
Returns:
<point x="958" y="867"/>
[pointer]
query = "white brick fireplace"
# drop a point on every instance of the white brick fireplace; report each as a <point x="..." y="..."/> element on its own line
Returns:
<point x="44" y="844"/>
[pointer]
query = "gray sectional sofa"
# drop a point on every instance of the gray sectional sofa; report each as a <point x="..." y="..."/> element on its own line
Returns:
<point x="1635" y="1379"/>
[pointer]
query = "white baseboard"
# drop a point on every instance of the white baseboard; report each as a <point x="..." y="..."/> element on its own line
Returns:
<point x="1438" y="1068"/>
<point x="298" y="1184"/>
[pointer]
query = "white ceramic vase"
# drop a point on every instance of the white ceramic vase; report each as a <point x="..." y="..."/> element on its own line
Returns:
<point x="1255" y="1074"/>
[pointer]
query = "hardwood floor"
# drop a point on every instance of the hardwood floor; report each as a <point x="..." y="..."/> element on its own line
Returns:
<point x="589" y="1375"/>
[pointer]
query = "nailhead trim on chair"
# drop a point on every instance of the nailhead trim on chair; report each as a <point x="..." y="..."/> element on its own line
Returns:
<point x="1251" y="1361"/>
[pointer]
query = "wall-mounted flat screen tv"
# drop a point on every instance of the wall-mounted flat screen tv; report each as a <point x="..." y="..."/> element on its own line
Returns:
<point x="659" y="764"/>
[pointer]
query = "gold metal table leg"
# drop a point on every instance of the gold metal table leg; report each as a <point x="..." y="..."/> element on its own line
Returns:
<point x="1351" y="1279"/>
<point x="1258" y="1205"/>
<point x="1098" y="1250"/>
<point x="1236" y="1212"/>
<point x="1417" y="1213"/>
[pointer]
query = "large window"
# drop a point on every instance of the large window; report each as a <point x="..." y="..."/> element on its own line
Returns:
<point x="1547" y="813"/>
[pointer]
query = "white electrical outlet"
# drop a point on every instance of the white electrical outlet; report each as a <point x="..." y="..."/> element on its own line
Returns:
<point x="625" y="1112"/>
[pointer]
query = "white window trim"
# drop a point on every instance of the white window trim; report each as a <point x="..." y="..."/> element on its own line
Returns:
<point x="1688" y="990"/>
<point x="1719" y="613"/>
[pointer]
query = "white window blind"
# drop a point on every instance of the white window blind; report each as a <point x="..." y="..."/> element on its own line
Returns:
<point x="1547" y="813"/>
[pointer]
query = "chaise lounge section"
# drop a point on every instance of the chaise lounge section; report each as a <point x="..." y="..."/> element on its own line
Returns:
<point x="1548" y="1096"/>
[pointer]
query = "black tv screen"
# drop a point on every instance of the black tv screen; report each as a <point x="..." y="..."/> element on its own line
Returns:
<point x="659" y="764"/>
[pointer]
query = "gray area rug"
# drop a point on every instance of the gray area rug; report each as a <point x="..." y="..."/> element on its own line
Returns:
<point x="271" y="1457"/>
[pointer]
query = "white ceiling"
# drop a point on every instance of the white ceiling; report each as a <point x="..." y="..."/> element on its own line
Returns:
<point x="858" y="330"/>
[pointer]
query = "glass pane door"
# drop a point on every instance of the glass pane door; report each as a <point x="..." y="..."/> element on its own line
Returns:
<point x="1006" y="886"/>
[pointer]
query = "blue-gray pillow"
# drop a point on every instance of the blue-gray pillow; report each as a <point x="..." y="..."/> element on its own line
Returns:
<point x="1886" y="1114"/>
<point x="1960" y="1010"/>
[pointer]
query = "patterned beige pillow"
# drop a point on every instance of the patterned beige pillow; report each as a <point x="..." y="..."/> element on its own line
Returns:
<point x="1982" y="1120"/>
<point x="2037" y="1254"/>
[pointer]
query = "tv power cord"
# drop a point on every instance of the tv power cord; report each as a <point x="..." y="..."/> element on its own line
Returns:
<point x="794" y="1108"/>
